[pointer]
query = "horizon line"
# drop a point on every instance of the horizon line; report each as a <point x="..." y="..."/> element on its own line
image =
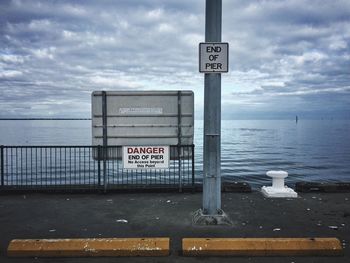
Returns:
<point x="19" y="119"/>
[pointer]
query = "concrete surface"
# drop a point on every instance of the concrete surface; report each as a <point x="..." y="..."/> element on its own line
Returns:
<point x="319" y="246"/>
<point x="169" y="215"/>
<point x="94" y="247"/>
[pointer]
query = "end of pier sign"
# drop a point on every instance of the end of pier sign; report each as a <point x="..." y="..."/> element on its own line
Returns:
<point x="213" y="57"/>
<point x="145" y="157"/>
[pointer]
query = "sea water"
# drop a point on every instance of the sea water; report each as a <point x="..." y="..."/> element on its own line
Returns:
<point x="310" y="150"/>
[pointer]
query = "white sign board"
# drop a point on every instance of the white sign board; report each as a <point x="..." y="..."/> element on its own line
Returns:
<point x="143" y="118"/>
<point x="146" y="157"/>
<point x="213" y="57"/>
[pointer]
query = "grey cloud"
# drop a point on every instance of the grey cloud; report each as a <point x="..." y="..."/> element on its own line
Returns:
<point x="55" y="53"/>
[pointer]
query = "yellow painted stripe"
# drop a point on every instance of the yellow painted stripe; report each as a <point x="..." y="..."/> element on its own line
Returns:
<point x="261" y="246"/>
<point x="91" y="247"/>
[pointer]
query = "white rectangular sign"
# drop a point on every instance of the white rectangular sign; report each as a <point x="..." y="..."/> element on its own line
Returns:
<point x="142" y="118"/>
<point x="213" y="57"/>
<point x="146" y="157"/>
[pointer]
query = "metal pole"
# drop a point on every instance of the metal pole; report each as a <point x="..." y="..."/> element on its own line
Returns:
<point x="179" y="134"/>
<point x="193" y="186"/>
<point x="105" y="142"/>
<point x="212" y="117"/>
<point x="2" y="164"/>
<point x="99" y="166"/>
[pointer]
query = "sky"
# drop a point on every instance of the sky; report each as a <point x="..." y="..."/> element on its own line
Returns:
<point x="287" y="57"/>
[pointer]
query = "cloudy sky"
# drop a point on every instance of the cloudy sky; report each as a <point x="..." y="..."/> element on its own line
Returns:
<point x="287" y="57"/>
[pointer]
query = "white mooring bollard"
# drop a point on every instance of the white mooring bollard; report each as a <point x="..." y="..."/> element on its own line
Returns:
<point x="278" y="189"/>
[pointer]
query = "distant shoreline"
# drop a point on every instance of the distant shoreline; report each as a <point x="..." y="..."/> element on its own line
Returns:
<point x="41" y="119"/>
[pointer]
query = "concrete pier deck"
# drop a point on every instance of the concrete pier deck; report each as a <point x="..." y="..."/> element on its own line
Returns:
<point x="137" y="215"/>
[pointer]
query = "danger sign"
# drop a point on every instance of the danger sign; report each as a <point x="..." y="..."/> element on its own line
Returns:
<point x="146" y="157"/>
<point x="213" y="57"/>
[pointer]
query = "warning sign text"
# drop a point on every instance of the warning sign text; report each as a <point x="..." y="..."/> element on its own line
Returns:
<point x="146" y="157"/>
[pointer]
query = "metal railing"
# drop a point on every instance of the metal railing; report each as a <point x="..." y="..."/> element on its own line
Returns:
<point x="86" y="168"/>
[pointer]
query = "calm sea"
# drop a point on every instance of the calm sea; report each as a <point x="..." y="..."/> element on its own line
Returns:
<point x="309" y="150"/>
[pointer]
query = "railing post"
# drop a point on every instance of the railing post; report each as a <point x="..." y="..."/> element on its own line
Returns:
<point x="193" y="187"/>
<point x="179" y="167"/>
<point x="105" y="140"/>
<point x="2" y="164"/>
<point x="99" y="165"/>
<point x="105" y="169"/>
<point x="179" y="135"/>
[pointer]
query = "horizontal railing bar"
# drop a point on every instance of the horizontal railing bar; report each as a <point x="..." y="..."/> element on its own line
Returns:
<point x="150" y="93"/>
<point x="144" y="126"/>
<point x="146" y="136"/>
<point x="81" y="146"/>
<point x="51" y="146"/>
<point x="143" y="115"/>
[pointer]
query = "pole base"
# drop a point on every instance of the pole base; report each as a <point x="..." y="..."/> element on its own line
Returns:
<point x="199" y="218"/>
